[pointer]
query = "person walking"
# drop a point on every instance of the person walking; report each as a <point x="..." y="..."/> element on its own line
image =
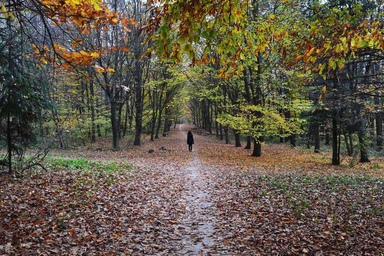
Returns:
<point x="190" y="140"/>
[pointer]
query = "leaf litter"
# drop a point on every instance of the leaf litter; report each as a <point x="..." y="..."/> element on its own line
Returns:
<point x="215" y="200"/>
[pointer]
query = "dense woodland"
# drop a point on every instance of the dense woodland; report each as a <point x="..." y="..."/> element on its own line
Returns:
<point x="284" y="98"/>
<point x="307" y="73"/>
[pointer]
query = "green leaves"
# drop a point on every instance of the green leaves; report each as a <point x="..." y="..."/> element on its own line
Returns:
<point x="218" y="24"/>
<point x="268" y="120"/>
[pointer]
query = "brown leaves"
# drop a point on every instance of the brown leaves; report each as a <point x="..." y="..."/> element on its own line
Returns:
<point x="291" y="214"/>
<point x="215" y="200"/>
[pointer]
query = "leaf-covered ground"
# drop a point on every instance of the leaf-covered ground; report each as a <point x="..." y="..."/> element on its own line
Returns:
<point x="216" y="200"/>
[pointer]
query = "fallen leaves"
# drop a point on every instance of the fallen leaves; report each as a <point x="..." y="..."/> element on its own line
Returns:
<point x="72" y="213"/>
<point x="290" y="214"/>
<point x="216" y="200"/>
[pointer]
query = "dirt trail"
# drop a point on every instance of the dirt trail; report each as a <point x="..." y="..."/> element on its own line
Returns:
<point x="193" y="232"/>
<point x="198" y="221"/>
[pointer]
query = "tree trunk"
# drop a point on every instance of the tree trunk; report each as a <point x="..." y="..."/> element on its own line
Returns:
<point x="158" y="125"/>
<point x="364" y="157"/>
<point x="226" y="132"/>
<point x="166" y="123"/>
<point x="127" y="118"/>
<point x="216" y="124"/>
<point x="348" y="143"/>
<point x="154" y="114"/>
<point x="292" y="140"/>
<point x="115" y="126"/>
<point x="316" y="135"/>
<point x="249" y="142"/>
<point x="256" y="148"/>
<point x="138" y="103"/>
<point x="379" y="131"/>
<point x="221" y="132"/>
<point x="9" y="140"/>
<point x="327" y="133"/>
<point x="159" y="115"/>
<point x="92" y="106"/>
<point x="237" y="139"/>
<point x="335" y="141"/>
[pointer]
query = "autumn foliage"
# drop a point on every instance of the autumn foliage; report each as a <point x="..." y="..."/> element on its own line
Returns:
<point x="76" y="19"/>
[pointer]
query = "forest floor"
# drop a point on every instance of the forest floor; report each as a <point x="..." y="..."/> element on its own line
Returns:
<point x="215" y="200"/>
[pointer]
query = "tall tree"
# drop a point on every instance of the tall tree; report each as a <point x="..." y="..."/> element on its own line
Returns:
<point x="22" y="97"/>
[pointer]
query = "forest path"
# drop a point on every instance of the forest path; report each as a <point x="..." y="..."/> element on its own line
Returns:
<point x="198" y="221"/>
<point x="195" y="224"/>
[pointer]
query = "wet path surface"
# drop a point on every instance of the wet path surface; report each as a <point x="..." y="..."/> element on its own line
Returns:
<point x="187" y="185"/>
<point x="198" y="221"/>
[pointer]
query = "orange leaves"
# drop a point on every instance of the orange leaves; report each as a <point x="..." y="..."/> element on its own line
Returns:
<point x="124" y="49"/>
<point x="70" y="59"/>
<point x="76" y="58"/>
<point x="79" y="12"/>
<point x="311" y="51"/>
<point x="84" y="16"/>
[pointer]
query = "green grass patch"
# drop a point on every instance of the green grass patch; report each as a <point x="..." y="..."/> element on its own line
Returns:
<point x="88" y="173"/>
<point x="86" y="165"/>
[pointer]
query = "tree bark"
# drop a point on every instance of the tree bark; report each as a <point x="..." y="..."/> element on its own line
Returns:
<point x="364" y="157"/>
<point x="379" y="131"/>
<point x="138" y="103"/>
<point x="256" y="148"/>
<point x="335" y="141"/>
<point x="348" y="142"/>
<point x="316" y="135"/>
<point x="115" y="125"/>
<point x="237" y="139"/>
<point x="92" y="108"/>
<point x="249" y="142"/>
<point x="226" y="134"/>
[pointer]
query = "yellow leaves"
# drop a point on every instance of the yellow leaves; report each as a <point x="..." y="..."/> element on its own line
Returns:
<point x="83" y="53"/>
<point x="311" y="51"/>
<point x="299" y="57"/>
<point x="109" y="70"/>
<point x="97" y="5"/>
<point x="84" y="14"/>
<point x="72" y="58"/>
<point x="3" y="9"/>
<point x="323" y="91"/>
<point x="95" y="55"/>
<point x="100" y="69"/>
<point x="7" y="14"/>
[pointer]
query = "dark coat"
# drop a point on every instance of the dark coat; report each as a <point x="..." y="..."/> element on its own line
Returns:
<point x="190" y="140"/>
